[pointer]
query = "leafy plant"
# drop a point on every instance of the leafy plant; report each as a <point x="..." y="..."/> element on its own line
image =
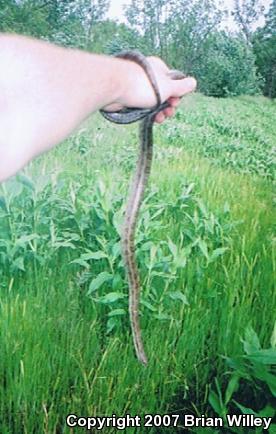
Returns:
<point x="255" y="370"/>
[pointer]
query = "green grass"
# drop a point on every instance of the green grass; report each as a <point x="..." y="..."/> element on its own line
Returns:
<point x="206" y="254"/>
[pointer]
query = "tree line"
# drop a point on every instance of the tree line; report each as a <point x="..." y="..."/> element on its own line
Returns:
<point x="188" y="34"/>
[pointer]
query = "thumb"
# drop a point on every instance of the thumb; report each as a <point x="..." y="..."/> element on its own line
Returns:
<point x="182" y="87"/>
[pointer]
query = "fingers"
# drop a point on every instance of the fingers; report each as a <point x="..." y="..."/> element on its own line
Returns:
<point x="174" y="101"/>
<point x="182" y="87"/>
<point x="167" y="113"/>
<point x="179" y="88"/>
<point x="159" y="118"/>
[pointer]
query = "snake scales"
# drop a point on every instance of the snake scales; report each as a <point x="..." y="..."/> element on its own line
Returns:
<point x="127" y="116"/>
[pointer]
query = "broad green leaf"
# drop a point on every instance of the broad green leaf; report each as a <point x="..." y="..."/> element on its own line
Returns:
<point x="245" y="410"/>
<point x="148" y="305"/>
<point x="66" y="244"/>
<point x="117" y="282"/>
<point x="172" y="247"/>
<point x="111" y="323"/>
<point x="93" y="255"/>
<point x="118" y="221"/>
<point x="262" y="373"/>
<point x="99" y="281"/>
<point x="153" y="251"/>
<point x="232" y="387"/>
<point x="251" y="342"/>
<point x="203" y="247"/>
<point x="238" y="364"/>
<point x="157" y="213"/>
<point x="266" y="356"/>
<point x="111" y="297"/>
<point x="70" y="236"/>
<point x="116" y="250"/>
<point x="117" y="312"/>
<point x="214" y="402"/>
<point x="80" y="262"/>
<point x="178" y="295"/>
<point x="217" y="252"/>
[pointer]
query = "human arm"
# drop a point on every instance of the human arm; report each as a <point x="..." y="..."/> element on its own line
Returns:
<point x="46" y="91"/>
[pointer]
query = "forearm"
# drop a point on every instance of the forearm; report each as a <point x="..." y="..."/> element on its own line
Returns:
<point x="45" y="92"/>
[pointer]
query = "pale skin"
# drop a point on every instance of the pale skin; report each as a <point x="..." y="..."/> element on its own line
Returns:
<point x="46" y="91"/>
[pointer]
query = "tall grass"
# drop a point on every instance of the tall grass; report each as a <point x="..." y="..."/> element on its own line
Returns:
<point x="205" y="249"/>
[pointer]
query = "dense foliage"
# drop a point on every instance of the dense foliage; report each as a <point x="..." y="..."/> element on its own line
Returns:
<point x="228" y="68"/>
<point x="186" y="34"/>
<point x="265" y="51"/>
<point x="207" y="259"/>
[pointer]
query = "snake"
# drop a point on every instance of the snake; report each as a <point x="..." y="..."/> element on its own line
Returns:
<point x="146" y="116"/>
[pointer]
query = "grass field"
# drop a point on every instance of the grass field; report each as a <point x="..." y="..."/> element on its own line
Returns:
<point x="205" y="249"/>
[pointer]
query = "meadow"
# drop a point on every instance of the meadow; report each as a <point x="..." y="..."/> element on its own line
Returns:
<point x="206" y="251"/>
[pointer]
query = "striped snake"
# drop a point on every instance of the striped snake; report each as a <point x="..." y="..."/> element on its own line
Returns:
<point x="127" y="116"/>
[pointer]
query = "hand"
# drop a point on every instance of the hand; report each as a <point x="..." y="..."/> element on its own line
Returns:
<point x="137" y="90"/>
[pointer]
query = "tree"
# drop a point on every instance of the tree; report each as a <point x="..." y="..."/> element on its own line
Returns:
<point x="67" y="22"/>
<point x="228" y="67"/>
<point x="147" y="18"/>
<point x="24" y="17"/>
<point x="264" y="43"/>
<point x="88" y="13"/>
<point x="246" y="13"/>
<point x="175" y="30"/>
<point x="191" y="23"/>
<point x="111" y="37"/>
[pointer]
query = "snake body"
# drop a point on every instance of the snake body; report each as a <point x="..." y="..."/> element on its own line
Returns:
<point x="143" y="167"/>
